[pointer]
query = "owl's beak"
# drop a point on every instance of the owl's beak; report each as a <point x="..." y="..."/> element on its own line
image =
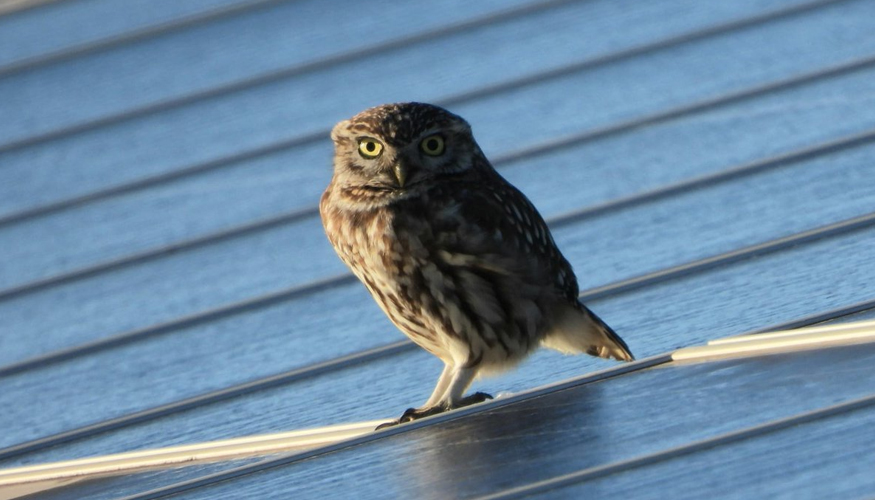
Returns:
<point x="400" y="173"/>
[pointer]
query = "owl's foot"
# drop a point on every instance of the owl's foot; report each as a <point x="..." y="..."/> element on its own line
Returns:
<point x="412" y="414"/>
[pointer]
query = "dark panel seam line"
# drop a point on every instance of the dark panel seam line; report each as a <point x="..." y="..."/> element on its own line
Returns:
<point x="710" y="180"/>
<point x="706" y="104"/>
<point x="820" y="317"/>
<point x="535" y="150"/>
<point x="706" y="444"/>
<point x="274" y="381"/>
<point x="133" y="36"/>
<point x="157" y="180"/>
<point x="283" y="74"/>
<point x="269" y="78"/>
<point x="148" y="255"/>
<point x="754" y="168"/>
<point x="28" y="6"/>
<point x="842" y="228"/>
<point x="241" y="307"/>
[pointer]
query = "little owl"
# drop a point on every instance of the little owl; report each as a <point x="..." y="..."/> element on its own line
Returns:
<point x="460" y="260"/>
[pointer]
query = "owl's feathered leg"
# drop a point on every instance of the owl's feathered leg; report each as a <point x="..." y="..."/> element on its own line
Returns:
<point x="441" y="388"/>
<point x="447" y="395"/>
<point x="462" y="377"/>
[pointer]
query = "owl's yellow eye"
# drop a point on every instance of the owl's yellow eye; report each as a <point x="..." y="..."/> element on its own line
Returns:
<point x="432" y="145"/>
<point x="370" y="148"/>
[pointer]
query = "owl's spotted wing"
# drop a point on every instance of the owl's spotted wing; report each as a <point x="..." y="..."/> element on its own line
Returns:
<point x="495" y="228"/>
<point x="482" y="266"/>
<point x="495" y="234"/>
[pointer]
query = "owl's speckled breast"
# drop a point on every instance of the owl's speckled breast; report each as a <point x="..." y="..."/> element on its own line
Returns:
<point x="390" y="264"/>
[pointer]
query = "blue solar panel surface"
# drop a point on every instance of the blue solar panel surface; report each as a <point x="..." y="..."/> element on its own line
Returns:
<point x="705" y="166"/>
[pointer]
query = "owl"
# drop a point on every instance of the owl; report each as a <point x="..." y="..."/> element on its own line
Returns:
<point x="458" y="259"/>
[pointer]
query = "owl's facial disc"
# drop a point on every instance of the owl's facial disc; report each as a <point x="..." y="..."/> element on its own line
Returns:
<point x="401" y="147"/>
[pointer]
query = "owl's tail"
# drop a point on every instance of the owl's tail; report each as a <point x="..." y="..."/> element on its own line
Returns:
<point x="577" y="330"/>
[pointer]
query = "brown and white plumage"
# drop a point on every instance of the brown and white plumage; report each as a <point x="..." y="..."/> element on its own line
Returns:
<point x="457" y="257"/>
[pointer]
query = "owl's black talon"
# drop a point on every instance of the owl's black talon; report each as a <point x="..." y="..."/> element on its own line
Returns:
<point x="409" y="415"/>
<point x="386" y="425"/>
<point x="416" y="413"/>
<point x="412" y="414"/>
<point x="477" y="397"/>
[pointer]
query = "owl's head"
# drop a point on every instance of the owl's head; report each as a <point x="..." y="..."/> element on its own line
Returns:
<point x="398" y="147"/>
